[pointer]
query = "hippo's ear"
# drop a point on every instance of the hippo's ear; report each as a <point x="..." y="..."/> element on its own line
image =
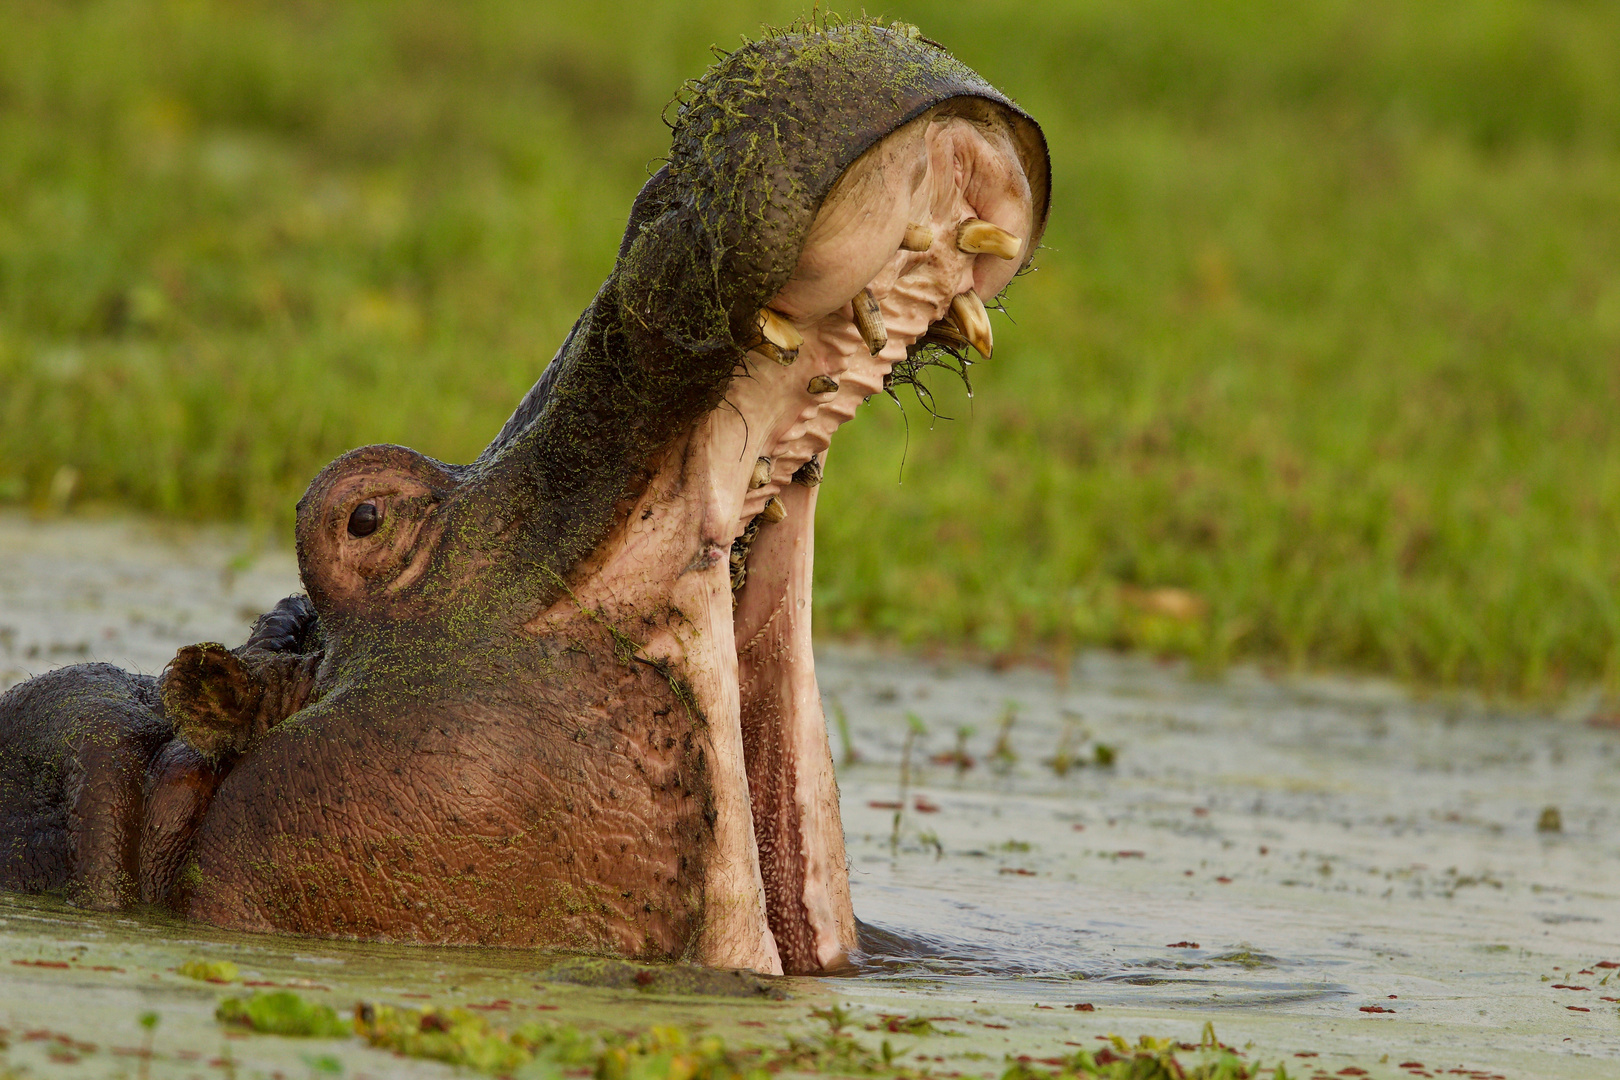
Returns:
<point x="366" y="525"/>
<point x="211" y="697"/>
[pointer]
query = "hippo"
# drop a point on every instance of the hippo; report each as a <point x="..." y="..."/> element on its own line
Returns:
<point x="564" y="697"/>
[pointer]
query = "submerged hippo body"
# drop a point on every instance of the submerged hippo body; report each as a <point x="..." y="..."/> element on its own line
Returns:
<point x="564" y="696"/>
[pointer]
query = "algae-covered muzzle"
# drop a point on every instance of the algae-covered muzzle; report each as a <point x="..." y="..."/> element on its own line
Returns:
<point x="564" y="696"/>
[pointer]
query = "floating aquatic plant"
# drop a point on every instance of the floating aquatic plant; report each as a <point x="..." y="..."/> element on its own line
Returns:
<point x="1150" y="1059"/>
<point x="841" y="719"/>
<point x="1003" y="757"/>
<point x="915" y="729"/>
<point x="214" y="971"/>
<point x="282" y="1012"/>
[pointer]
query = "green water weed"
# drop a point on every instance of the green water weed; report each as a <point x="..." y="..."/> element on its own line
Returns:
<point x="845" y="741"/>
<point x="1069" y="740"/>
<point x="535" y="1050"/>
<point x="1149" y="1059"/>
<point x="149" y="1022"/>
<point x="1002" y="755"/>
<point x="214" y="971"/>
<point x="282" y="1012"/>
<point x="322" y="1065"/>
<point x="915" y="729"/>
<point x="958" y="755"/>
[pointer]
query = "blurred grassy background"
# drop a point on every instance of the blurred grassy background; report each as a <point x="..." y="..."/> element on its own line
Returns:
<point x="1322" y="366"/>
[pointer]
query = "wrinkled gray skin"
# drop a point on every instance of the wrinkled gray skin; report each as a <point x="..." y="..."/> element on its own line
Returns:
<point x="564" y="696"/>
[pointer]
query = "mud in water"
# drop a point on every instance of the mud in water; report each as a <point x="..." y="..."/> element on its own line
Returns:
<point x="1324" y="868"/>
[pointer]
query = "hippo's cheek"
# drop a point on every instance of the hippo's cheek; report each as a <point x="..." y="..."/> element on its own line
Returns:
<point x="513" y="826"/>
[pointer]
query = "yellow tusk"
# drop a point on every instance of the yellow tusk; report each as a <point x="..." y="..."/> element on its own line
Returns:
<point x="774" y="510"/>
<point x="982" y="238"/>
<point x="869" y="321"/>
<point x="823" y="384"/>
<point x="968" y="311"/>
<point x="762" y="474"/>
<point x="781" y="339"/>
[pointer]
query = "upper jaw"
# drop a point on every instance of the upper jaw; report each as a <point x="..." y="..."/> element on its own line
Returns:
<point x="940" y="210"/>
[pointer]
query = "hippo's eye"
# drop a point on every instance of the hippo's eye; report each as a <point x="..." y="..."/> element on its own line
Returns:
<point x="364" y="519"/>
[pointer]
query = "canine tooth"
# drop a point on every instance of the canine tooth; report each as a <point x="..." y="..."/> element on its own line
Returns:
<point x="822" y="384"/>
<point x="774" y="510"/>
<point x="982" y="238"/>
<point x="781" y="339"/>
<point x="970" y="315"/>
<point x="869" y="321"/>
<point x="918" y="238"/>
<point x="783" y="334"/>
<point x="944" y="332"/>
<point x="762" y="474"/>
<point x="779" y="331"/>
<point x="785" y="358"/>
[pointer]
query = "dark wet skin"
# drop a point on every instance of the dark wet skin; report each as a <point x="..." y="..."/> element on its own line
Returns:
<point x="512" y="709"/>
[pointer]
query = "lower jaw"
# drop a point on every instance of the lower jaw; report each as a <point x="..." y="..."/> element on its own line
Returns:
<point x="776" y="892"/>
<point x="793" y="793"/>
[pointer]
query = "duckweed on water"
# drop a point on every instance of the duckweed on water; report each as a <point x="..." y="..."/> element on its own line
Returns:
<point x="282" y="1013"/>
<point x="214" y="971"/>
<point x="1149" y="1059"/>
<point x="459" y="1037"/>
<point x="535" y="1050"/>
<point x="544" y="1050"/>
<point x="540" y="1050"/>
<point x="1248" y="959"/>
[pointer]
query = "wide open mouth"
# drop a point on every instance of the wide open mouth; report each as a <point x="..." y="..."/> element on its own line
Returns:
<point x="913" y="239"/>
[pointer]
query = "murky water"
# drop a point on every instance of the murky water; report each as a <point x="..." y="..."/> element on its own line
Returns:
<point x="1322" y="867"/>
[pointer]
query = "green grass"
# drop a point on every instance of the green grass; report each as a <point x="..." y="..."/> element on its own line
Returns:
<point x="1327" y="337"/>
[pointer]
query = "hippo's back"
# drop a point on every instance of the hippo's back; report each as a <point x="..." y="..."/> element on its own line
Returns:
<point x="74" y="746"/>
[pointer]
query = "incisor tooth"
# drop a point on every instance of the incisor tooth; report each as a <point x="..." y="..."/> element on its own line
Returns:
<point x="968" y="311"/>
<point x="869" y="321"/>
<point x="982" y="238"/>
<point x="945" y="332"/>
<point x="762" y="474"/>
<point x="823" y="384"/>
<point x="918" y="238"/>
<point x="781" y="339"/>
<point x="774" y="510"/>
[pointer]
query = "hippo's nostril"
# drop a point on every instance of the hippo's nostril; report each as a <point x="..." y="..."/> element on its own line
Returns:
<point x="364" y="519"/>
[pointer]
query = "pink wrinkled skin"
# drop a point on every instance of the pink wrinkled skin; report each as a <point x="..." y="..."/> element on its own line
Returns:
<point x="777" y="887"/>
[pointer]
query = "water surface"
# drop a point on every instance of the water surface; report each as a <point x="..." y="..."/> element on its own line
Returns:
<point x="1321" y="866"/>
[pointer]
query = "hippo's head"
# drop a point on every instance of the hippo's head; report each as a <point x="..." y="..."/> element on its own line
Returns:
<point x="630" y="559"/>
